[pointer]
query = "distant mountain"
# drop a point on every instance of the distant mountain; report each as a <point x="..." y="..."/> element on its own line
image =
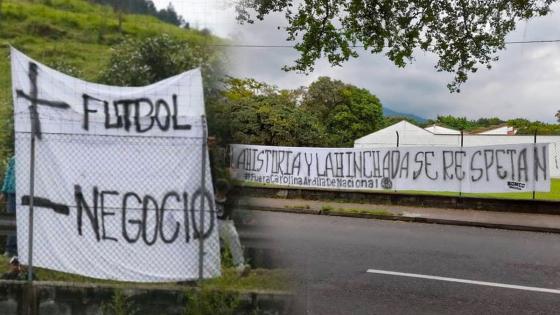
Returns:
<point x="389" y="112"/>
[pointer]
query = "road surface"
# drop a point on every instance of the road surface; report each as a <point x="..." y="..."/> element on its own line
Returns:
<point x="414" y="268"/>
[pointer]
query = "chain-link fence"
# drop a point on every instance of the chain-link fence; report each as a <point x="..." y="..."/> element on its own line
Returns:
<point x="113" y="182"/>
<point x="130" y="203"/>
<point x="413" y="138"/>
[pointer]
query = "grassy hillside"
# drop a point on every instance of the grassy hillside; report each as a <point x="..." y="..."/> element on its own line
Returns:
<point x="73" y="35"/>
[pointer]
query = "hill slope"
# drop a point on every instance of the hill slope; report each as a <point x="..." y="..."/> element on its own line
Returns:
<point x="73" y="35"/>
<point x="391" y="113"/>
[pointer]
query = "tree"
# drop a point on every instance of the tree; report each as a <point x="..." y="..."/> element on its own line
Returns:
<point x="146" y="7"/>
<point x="557" y="115"/>
<point x="522" y="125"/>
<point x="458" y="123"/>
<point x="464" y="34"/>
<point x="488" y="122"/>
<point x="346" y="111"/>
<point x="138" y="62"/>
<point x="169" y="15"/>
<point x="252" y="112"/>
<point x="323" y="96"/>
<point x="361" y="115"/>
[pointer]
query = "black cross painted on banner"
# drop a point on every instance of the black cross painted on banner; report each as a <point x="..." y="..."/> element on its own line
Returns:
<point x="35" y="100"/>
<point x="46" y="203"/>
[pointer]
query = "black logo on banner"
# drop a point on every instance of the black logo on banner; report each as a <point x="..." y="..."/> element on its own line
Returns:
<point x="386" y="183"/>
<point x="516" y="185"/>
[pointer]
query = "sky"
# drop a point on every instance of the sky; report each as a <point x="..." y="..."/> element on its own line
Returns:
<point x="524" y="83"/>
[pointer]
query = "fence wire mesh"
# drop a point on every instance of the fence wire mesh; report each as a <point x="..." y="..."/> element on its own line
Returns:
<point x="158" y="207"/>
<point x="405" y="139"/>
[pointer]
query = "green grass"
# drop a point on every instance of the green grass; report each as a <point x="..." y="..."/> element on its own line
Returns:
<point x="257" y="279"/>
<point x="379" y="212"/>
<point x="297" y="207"/>
<point x="554" y="193"/>
<point x="263" y="280"/>
<point x="73" y="32"/>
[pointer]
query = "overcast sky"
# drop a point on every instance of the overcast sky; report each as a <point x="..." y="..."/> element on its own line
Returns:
<point x="525" y="82"/>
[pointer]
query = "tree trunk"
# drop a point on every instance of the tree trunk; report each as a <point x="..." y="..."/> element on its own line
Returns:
<point x="118" y="9"/>
<point x="120" y="20"/>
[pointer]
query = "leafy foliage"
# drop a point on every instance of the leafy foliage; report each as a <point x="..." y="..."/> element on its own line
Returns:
<point x="75" y="37"/>
<point x="138" y="62"/>
<point x="120" y="305"/>
<point x="347" y="112"/>
<point x="328" y="113"/>
<point x="256" y="113"/>
<point x="208" y="301"/>
<point x="526" y="127"/>
<point x="458" y="123"/>
<point x="523" y="126"/>
<point x="464" y="34"/>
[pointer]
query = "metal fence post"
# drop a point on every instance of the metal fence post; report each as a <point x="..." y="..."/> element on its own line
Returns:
<point x="202" y="200"/>
<point x="34" y="133"/>
<point x="31" y="197"/>
<point x="398" y="143"/>
<point x="461" y="182"/>
<point x="534" y="150"/>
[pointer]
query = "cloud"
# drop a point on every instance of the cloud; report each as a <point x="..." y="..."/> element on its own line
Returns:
<point x="215" y="15"/>
<point x="525" y="82"/>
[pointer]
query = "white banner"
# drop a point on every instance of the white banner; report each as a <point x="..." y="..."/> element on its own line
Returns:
<point x="118" y="176"/>
<point x="507" y="168"/>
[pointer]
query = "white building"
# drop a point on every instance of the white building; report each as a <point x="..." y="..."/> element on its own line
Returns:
<point x="439" y="130"/>
<point x="412" y="135"/>
<point x="500" y="130"/>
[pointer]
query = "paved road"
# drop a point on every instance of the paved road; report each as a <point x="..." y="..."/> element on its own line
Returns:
<point x="332" y="254"/>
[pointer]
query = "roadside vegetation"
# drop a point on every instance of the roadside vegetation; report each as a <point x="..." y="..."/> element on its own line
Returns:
<point x="77" y="38"/>
<point x="376" y="212"/>
<point x="261" y="280"/>
<point x="85" y="40"/>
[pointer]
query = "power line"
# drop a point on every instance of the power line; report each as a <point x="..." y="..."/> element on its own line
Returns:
<point x="544" y="41"/>
<point x="254" y="46"/>
<point x="535" y="41"/>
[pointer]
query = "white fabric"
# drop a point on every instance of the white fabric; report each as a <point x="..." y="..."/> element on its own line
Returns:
<point x="112" y="161"/>
<point x="409" y="135"/>
<point x="229" y="234"/>
<point x="509" y="168"/>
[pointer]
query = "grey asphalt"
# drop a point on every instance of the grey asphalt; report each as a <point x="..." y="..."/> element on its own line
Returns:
<point x="330" y="256"/>
<point x="504" y="219"/>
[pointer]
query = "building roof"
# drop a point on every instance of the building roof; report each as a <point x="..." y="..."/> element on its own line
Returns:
<point x="403" y="128"/>
<point x="440" y="130"/>
<point x="502" y="129"/>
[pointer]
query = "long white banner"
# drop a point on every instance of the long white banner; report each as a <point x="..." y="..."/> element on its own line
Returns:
<point x="118" y="176"/>
<point x="507" y="168"/>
